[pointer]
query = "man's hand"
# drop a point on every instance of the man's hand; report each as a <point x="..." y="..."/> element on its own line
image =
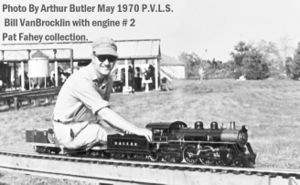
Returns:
<point x="116" y="121"/>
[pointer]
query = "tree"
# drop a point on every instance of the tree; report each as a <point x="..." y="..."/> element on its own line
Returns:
<point x="289" y="67"/>
<point x="238" y="55"/>
<point x="286" y="48"/>
<point x="254" y="66"/>
<point x="248" y="61"/>
<point x="271" y="56"/>
<point x="192" y="63"/>
<point x="240" y="51"/>
<point x="295" y="66"/>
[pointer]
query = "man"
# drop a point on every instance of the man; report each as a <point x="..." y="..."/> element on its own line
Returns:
<point x="82" y="103"/>
<point x="201" y="73"/>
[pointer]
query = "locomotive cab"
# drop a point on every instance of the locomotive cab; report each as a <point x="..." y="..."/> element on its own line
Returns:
<point x="164" y="131"/>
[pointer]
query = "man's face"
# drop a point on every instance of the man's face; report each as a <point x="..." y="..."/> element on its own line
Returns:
<point x="105" y="63"/>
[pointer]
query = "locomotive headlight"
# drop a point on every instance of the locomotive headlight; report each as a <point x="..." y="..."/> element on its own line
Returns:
<point x="242" y="138"/>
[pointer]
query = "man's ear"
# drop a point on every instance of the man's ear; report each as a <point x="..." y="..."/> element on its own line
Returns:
<point x="94" y="59"/>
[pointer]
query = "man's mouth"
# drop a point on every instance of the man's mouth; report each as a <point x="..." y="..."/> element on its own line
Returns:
<point x="105" y="68"/>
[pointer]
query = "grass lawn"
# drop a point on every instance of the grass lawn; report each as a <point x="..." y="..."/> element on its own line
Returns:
<point x="269" y="108"/>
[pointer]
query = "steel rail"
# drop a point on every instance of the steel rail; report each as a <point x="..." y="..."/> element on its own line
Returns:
<point x="140" y="172"/>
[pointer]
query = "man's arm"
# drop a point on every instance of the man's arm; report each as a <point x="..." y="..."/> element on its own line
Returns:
<point x="117" y="121"/>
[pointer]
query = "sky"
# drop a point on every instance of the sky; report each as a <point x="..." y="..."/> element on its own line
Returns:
<point x="209" y="28"/>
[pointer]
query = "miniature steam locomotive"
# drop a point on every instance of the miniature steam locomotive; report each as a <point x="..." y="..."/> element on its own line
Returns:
<point x="171" y="142"/>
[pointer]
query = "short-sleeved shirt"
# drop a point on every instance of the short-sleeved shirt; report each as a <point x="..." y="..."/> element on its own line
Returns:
<point x="82" y="95"/>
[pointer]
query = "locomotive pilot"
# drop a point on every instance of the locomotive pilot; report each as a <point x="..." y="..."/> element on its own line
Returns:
<point x="84" y="100"/>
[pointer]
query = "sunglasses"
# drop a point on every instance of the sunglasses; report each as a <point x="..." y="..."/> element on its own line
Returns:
<point x="110" y="58"/>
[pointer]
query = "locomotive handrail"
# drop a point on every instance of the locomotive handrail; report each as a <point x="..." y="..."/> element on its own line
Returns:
<point x="160" y="138"/>
<point x="199" y="142"/>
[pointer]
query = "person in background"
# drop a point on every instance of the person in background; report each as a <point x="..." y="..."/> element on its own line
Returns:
<point x="165" y="84"/>
<point x="151" y="76"/>
<point x="138" y="79"/>
<point x="131" y="76"/>
<point x="201" y="73"/>
<point x="82" y="106"/>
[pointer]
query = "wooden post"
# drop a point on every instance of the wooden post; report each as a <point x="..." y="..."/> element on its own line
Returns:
<point x="2" y="51"/>
<point x="28" y="54"/>
<point x="16" y="103"/>
<point x="22" y="76"/>
<point x="71" y="60"/>
<point x="45" y="81"/>
<point x="36" y="101"/>
<point x="30" y="83"/>
<point x="156" y="73"/>
<point x="56" y="73"/>
<point x="28" y="58"/>
<point x="126" y="87"/>
<point x="15" y="74"/>
<point x="55" y="68"/>
<point x="133" y="75"/>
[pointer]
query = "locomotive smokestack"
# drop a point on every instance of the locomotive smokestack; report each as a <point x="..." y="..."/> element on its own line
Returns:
<point x="233" y="125"/>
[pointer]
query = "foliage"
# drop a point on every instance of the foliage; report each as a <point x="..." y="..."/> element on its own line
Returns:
<point x="254" y="66"/>
<point x="212" y="68"/>
<point x="241" y="50"/>
<point x="289" y="67"/>
<point x="257" y="61"/>
<point x="272" y="56"/>
<point x="249" y="62"/>
<point x="192" y="63"/>
<point x="286" y="48"/>
<point x="295" y="66"/>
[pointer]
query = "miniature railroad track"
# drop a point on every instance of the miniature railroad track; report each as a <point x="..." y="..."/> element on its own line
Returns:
<point x="132" y="172"/>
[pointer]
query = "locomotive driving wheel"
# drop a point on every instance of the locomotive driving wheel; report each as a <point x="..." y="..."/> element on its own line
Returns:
<point x="155" y="156"/>
<point x="190" y="154"/>
<point x="206" y="155"/>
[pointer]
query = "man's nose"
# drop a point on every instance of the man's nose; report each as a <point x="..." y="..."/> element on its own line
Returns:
<point x="106" y="62"/>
